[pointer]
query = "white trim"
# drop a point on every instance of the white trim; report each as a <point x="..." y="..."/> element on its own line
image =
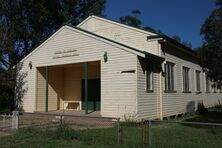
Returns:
<point x="151" y="81"/>
<point x="109" y="42"/>
<point x="195" y="80"/>
<point x="189" y="78"/>
<point x="60" y="64"/>
<point x="137" y="86"/>
<point x="85" y="33"/>
<point x="173" y="64"/>
<point x="113" y="22"/>
<point x="36" y="86"/>
<point x="161" y="83"/>
<point x="34" y="50"/>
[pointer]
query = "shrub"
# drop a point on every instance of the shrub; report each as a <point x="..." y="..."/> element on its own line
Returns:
<point x="201" y="108"/>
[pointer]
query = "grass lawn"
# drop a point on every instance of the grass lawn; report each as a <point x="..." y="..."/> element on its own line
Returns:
<point x="164" y="135"/>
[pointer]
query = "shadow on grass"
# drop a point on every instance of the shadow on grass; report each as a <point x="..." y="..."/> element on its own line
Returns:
<point x="210" y="116"/>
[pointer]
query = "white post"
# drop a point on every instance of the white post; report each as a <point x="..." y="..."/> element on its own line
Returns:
<point x="15" y="120"/>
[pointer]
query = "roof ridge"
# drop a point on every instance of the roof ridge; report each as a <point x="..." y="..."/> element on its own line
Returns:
<point x="152" y="31"/>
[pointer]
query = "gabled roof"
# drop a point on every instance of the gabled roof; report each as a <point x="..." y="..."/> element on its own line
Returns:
<point x="153" y="34"/>
<point x="150" y="31"/>
<point x="134" y="50"/>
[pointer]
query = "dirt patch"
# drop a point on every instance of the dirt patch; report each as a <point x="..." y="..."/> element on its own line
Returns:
<point x="79" y="122"/>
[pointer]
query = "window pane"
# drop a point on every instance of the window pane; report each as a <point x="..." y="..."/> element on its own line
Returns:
<point x="169" y="76"/>
<point x="198" y="80"/>
<point x="149" y="80"/>
<point x="185" y="78"/>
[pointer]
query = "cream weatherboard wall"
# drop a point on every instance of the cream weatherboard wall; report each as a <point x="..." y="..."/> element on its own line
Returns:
<point x="176" y="102"/>
<point x="122" y="76"/>
<point x="55" y="89"/>
<point x="72" y="80"/>
<point x="148" y="102"/>
<point x="118" y="89"/>
<point x="127" y="35"/>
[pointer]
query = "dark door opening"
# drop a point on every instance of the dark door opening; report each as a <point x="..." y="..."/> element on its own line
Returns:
<point x="94" y="97"/>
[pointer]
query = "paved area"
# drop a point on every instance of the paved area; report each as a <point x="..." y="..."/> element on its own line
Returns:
<point x="79" y="120"/>
<point x="75" y="113"/>
<point x="5" y="127"/>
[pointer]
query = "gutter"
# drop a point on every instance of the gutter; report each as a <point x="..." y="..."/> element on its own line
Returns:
<point x="166" y="39"/>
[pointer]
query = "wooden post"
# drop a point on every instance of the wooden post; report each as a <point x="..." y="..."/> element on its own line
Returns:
<point x="145" y="133"/>
<point x="142" y="132"/>
<point x="149" y="134"/>
<point x="118" y="131"/>
<point x="86" y="86"/>
<point x="46" y="88"/>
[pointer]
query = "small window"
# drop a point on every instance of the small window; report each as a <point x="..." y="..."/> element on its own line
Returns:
<point x="207" y="84"/>
<point x="186" y="78"/>
<point x="149" y="81"/>
<point x="197" y="81"/>
<point x="169" y="76"/>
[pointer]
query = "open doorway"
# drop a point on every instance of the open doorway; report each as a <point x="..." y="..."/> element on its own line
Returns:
<point x="66" y="88"/>
<point x="94" y="98"/>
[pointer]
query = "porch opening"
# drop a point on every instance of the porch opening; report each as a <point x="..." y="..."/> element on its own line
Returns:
<point x="66" y="87"/>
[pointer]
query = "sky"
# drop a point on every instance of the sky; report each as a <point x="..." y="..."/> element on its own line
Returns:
<point x="172" y="17"/>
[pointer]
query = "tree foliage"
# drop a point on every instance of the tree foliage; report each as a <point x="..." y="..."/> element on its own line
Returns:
<point x="211" y="51"/>
<point x="178" y="39"/>
<point x="26" y="23"/>
<point x="132" y="19"/>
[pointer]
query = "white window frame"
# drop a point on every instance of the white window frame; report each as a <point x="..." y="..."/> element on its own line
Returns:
<point x="198" y="88"/>
<point x="169" y="87"/>
<point x="186" y="79"/>
<point x="150" y="89"/>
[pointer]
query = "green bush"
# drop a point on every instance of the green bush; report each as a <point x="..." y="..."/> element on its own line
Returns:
<point x="201" y="108"/>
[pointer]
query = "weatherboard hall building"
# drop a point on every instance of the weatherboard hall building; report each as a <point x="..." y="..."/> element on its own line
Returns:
<point x="115" y="70"/>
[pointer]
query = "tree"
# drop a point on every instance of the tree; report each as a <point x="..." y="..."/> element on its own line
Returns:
<point x="26" y="23"/>
<point x="132" y="20"/>
<point x="211" y="51"/>
<point x="177" y="38"/>
<point x="186" y="43"/>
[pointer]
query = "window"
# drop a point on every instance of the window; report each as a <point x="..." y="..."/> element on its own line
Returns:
<point x="207" y="85"/>
<point x="169" y="76"/>
<point x="186" y="78"/>
<point x="149" y="81"/>
<point x="197" y="81"/>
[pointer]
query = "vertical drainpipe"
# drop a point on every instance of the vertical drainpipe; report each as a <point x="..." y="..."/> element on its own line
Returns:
<point x="161" y="87"/>
<point x="86" y="86"/>
<point x="46" y="88"/>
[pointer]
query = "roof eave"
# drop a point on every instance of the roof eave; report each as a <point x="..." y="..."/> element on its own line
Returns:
<point x="154" y="57"/>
